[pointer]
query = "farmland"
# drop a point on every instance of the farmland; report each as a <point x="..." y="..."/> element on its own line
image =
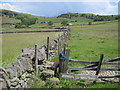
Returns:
<point x="87" y="42"/>
<point x="94" y="40"/>
<point x="12" y="44"/>
<point x="89" y="39"/>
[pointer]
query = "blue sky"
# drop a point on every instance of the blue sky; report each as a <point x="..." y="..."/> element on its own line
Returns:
<point x="51" y="9"/>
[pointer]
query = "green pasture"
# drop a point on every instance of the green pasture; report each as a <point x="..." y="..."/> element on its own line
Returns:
<point x="12" y="44"/>
<point x="87" y="42"/>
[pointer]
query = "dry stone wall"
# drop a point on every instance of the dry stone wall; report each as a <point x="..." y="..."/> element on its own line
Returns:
<point x="18" y="74"/>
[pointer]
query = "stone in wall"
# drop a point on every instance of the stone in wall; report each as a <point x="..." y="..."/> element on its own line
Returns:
<point x="43" y="52"/>
<point x="26" y="64"/>
<point x="11" y="71"/>
<point x="49" y="65"/>
<point x="19" y="69"/>
<point x="41" y="57"/>
<point x="54" y="80"/>
<point x="28" y="53"/>
<point x="18" y="63"/>
<point x="47" y="74"/>
<point x="4" y="79"/>
<point x="52" y="45"/>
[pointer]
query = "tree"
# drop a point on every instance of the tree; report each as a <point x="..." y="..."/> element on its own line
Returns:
<point x="64" y="23"/>
<point x="50" y="23"/>
<point x="19" y="25"/>
<point x="89" y="23"/>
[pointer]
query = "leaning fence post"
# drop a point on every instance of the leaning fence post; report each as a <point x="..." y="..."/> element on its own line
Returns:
<point x="36" y="59"/>
<point x="47" y="56"/>
<point x="64" y="50"/>
<point x="99" y="66"/>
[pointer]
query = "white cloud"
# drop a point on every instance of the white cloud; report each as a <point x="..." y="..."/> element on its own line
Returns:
<point x="40" y="9"/>
<point x="102" y="8"/>
<point x="8" y="6"/>
<point x="110" y="8"/>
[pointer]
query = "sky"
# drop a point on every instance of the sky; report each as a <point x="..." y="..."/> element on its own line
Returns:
<point x="51" y="8"/>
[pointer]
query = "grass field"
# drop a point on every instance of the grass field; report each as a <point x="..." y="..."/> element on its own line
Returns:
<point x="12" y="44"/>
<point x="87" y="42"/>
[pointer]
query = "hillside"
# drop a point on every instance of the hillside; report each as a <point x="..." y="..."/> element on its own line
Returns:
<point x="25" y="20"/>
<point x="12" y="19"/>
<point x="93" y="17"/>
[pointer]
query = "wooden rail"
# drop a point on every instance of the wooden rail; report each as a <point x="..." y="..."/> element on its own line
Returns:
<point x="93" y="69"/>
<point x="116" y="76"/>
<point x="108" y="62"/>
<point x="80" y="77"/>
<point x="86" y="77"/>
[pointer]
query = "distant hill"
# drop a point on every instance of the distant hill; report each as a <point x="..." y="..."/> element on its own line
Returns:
<point x="12" y="18"/>
<point x="89" y="16"/>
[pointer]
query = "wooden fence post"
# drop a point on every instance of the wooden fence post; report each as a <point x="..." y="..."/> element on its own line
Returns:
<point x="47" y="48"/>
<point x="59" y="41"/>
<point x="58" y="44"/>
<point x="67" y="53"/>
<point x="99" y="66"/>
<point x="61" y="63"/>
<point x="36" y="59"/>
